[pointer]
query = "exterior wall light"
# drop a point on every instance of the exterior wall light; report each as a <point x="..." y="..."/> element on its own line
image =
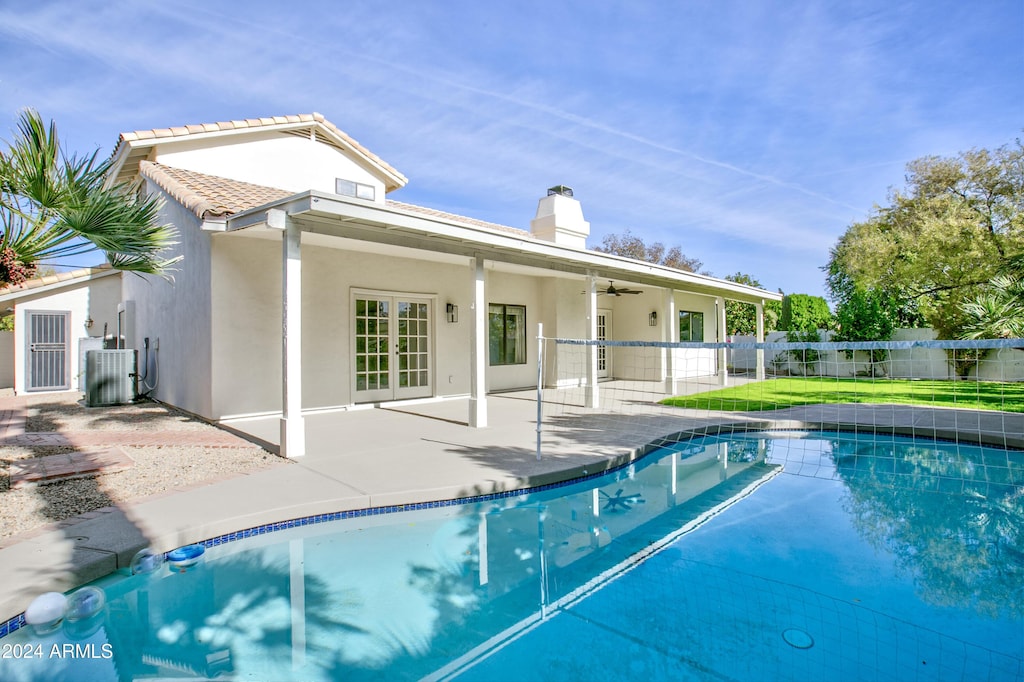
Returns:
<point x="452" y="311"/>
<point x="652" y="319"/>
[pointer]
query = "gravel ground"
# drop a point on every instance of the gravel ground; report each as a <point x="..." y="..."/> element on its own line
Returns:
<point x="64" y="412"/>
<point x="156" y="470"/>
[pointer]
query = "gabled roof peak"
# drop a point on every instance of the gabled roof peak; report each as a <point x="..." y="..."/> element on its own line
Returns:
<point x="134" y="146"/>
<point x="222" y="126"/>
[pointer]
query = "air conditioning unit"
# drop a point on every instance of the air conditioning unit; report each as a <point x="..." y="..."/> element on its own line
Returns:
<point x="110" y="377"/>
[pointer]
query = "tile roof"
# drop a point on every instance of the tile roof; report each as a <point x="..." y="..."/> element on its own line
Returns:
<point x="211" y="196"/>
<point x="315" y="118"/>
<point x="458" y="218"/>
<point x="56" y="278"/>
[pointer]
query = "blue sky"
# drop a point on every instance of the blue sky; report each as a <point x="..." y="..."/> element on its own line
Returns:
<point x="751" y="133"/>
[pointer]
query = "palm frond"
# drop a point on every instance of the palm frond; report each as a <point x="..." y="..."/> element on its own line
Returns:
<point x="54" y="205"/>
<point x="998" y="312"/>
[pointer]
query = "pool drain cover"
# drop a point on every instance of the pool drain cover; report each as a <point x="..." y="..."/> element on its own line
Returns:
<point x="798" y="638"/>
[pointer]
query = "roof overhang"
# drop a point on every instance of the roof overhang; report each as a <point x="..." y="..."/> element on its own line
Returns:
<point x="333" y="215"/>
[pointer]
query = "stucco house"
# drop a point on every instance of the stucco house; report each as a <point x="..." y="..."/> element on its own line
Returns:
<point x="58" y="318"/>
<point x="305" y="286"/>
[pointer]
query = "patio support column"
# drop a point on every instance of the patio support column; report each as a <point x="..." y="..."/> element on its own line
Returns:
<point x="478" y="347"/>
<point x="722" y="334"/>
<point x="591" y="399"/>
<point x="293" y="428"/>
<point x="670" y="334"/>
<point x="759" y="375"/>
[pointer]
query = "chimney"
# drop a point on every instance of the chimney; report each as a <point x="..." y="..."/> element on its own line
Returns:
<point x="560" y="220"/>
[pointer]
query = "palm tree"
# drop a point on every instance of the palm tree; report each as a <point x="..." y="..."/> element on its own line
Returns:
<point x="53" y="206"/>
<point x="998" y="312"/>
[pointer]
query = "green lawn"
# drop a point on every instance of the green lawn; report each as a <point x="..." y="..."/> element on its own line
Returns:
<point x="775" y="394"/>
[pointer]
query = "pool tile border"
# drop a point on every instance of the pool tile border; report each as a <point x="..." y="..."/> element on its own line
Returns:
<point x="12" y="625"/>
<point x="391" y="509"/>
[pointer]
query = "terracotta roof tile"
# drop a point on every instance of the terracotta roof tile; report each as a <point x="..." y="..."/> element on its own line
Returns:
<point x="210" y="196"/>
<point x="46" y="280"/>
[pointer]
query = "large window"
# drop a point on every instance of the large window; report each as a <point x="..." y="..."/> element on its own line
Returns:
<point x="691" y="326"/>
<point x="507" y="337"/>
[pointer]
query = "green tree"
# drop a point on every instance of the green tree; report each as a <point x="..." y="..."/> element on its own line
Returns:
<point x="941" y="239"/>
<point x="802" y="316"/>
<point x="53" y="206"/>
<point x="866" y="315"/>
<point x="805" y="313"/>
<point x="631" y="246"/>
<point x="741" y="317"/>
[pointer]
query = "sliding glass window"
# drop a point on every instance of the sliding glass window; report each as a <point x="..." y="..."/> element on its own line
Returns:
<point x="691" y="326"/>
<point x="507" y="336"/>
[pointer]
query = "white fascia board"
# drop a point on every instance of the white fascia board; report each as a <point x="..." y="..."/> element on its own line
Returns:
<point x="214" y="225"/>
<point x="491" y="244"/>
<point x="25" y="293"/>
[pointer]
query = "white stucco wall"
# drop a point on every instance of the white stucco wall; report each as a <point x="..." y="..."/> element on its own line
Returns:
<point x="94" y="299"/>
<point x="1005" y="364"/>
<point x="247" y="321"/>
<point x="6" y="359"/>
<point x="175" y="318"/>
<point x="512" y="289"/>
<point x="919" y="363"/>
<point x="273" y="159"/>
<point x="565" y="316"/>
<point x="697" y="362"/>
<point x="914" y="363"/>
<point x="245" y="325"/>
<point x="630" y="323"/>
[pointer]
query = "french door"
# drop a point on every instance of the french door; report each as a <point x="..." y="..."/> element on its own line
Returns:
<point x="392" y="358"/>
<point x="604" y="357"/>
<point x="48" y="351"/>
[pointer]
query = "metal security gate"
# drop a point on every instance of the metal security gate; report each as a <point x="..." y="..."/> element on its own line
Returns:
<point x="48" y="351"/>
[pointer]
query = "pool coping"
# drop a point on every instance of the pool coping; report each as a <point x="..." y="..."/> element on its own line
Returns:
<point x="95" y="564"/>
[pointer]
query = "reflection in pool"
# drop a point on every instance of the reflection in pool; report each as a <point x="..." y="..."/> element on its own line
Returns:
<point x="870" y="557"/>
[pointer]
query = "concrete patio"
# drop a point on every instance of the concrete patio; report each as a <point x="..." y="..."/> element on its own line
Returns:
<point x="407" y="453"/>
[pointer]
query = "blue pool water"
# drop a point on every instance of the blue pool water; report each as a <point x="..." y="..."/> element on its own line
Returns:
<point x="780" y="556"/>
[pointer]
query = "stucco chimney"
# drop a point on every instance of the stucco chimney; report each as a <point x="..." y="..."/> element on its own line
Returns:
<point x="560" y="220"/>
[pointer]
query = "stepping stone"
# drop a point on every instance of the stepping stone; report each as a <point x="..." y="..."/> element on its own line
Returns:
<point x="65" y="466"/>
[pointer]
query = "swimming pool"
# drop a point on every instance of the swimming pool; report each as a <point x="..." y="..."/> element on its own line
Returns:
<point x="825" y="556"/>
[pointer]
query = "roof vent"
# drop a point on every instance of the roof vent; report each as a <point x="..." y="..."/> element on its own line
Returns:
<point x="560" y="190"/>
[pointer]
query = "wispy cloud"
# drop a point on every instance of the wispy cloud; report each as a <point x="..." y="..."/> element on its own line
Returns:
<point x="756" y="127"/>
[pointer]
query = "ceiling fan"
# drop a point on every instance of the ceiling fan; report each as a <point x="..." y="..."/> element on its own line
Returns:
<point x="612" y="291"/>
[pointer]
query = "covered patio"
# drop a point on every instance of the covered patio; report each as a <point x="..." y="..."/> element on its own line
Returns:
<point x="557" y="285"/>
